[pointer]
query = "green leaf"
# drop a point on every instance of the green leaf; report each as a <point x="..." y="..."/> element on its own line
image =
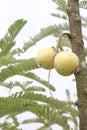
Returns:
<point x="62" y="106"/>
<point x="12" y="105"/>
<point x="18" y="68"/>
<point x="33" y="76"/>
<point x="61" y="16"/>
<point x="61" y="5"/>
<point x="17" y="105"/>
<point x="50" y="30"/>
<point x="35" y="88"/>
<point x="13" y="31"/>
<point x="6" y="60"/>
<point x="55" y="30"/>
<point x="7" y="48"/>
<point x="83" y="4"/>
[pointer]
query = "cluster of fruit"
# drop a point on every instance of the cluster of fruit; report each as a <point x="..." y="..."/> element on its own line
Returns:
<point x="64" y="62"/>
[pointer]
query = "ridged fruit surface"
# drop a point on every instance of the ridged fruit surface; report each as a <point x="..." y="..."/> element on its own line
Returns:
<point x="66" y="63"/>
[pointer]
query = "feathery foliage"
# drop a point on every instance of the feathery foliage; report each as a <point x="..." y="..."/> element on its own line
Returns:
<point x="13" y="30"/>
<point x="39" y="80"/>
<point x="18" y="68"/>
<point x="83" y="4"/>
<point x="54" y="30"/>
<point x="33" y="98"/>
<point x="61" y="5"/>
<point x="43" y="33"/>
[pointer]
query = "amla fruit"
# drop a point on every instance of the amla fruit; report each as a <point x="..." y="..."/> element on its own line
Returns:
<point x="66" y="63"/>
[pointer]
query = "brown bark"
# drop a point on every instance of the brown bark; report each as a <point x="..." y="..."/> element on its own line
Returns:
<point x="78" y="48"/>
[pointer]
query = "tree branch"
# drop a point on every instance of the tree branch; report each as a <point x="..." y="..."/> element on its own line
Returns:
<point x="75" y="28"/>
<point x="78" y="48"/>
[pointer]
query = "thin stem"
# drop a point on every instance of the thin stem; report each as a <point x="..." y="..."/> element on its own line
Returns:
<point x="60" y="38"/>
<point x="49" y="74"/>
<point x="55" y="52"/>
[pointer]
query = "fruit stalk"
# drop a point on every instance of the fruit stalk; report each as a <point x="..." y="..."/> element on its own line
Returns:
<point x="58" y="45"/>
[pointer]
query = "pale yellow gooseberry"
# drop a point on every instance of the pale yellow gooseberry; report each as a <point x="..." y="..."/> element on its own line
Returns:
<point x="45" y="57"/>
<point x="66" y="63"/>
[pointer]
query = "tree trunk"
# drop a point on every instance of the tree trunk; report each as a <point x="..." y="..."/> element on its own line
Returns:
<point x="78" y="48"/>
